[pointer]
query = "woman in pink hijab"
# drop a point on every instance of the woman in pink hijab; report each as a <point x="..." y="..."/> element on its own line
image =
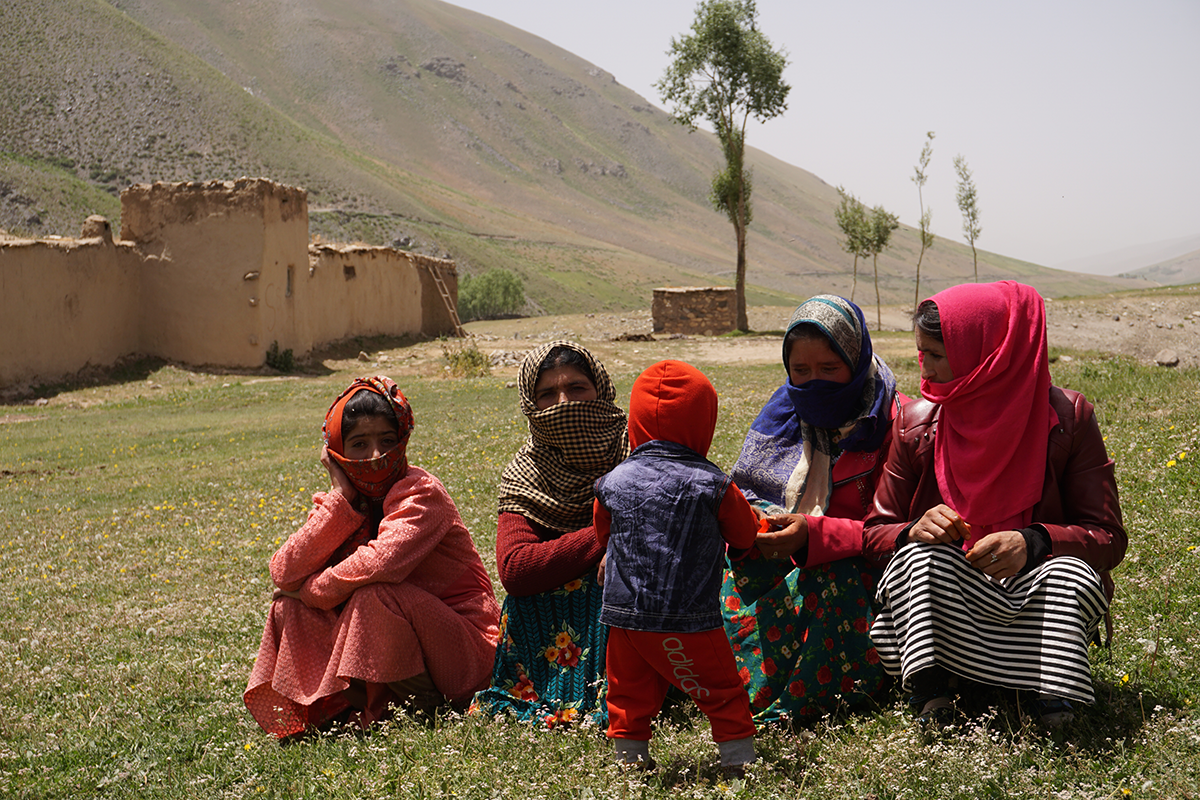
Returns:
<point x="998" y="510"/>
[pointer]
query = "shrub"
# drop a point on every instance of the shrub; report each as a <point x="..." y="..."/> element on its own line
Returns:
<point x="465" y="360"/>
<point x="495" y="293"/>
<point x="284" y="362"/>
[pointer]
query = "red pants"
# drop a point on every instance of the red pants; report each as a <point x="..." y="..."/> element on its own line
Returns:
<point x="641" y="664"/>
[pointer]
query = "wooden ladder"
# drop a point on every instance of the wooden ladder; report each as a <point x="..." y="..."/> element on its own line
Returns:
<point x="448" y="300"/>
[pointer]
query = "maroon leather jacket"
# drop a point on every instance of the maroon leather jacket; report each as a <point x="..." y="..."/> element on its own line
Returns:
<point x="1079" y="509"/>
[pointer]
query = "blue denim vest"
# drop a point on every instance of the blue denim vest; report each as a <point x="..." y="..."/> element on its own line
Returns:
<point x="665" y="551"/>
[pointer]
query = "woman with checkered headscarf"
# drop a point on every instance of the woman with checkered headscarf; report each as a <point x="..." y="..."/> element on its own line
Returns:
<point x="550" y="662"/>
<point x="797" y="609"/>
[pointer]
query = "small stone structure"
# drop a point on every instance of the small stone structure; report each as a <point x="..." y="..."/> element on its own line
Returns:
<point x="696" y="310"/>
<point x="211" y="273"/>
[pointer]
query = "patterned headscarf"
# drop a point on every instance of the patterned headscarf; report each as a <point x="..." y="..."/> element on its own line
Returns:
<point x="373" y="477"/>
<point x="570" y="446"/>
<point x="788" y="456"/>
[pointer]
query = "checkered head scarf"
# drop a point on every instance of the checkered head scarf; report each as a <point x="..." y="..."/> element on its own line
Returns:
<point x="570" y="446"/>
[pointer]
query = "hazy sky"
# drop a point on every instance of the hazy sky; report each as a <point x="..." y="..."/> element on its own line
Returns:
<point x="1080" y="120"/>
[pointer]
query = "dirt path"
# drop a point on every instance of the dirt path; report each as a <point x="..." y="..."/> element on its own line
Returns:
<point x="1136" y="325"/>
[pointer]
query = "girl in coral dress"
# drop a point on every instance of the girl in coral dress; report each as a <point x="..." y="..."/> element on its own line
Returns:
<point x="382" y="597"/>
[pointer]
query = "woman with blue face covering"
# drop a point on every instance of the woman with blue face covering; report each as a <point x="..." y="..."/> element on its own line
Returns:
<point x="797" y="611"/>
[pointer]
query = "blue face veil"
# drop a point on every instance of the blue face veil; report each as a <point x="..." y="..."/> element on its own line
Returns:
<point x="789" y="452"/>
<point x="872" y="387"/>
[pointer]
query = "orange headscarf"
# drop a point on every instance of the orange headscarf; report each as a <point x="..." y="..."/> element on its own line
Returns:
<point x="373" y="477"/>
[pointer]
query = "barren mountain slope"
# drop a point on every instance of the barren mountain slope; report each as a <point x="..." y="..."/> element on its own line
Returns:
<point x="417" y="118"/>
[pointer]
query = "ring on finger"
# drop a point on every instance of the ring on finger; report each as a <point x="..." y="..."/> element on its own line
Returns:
<point x="995" y="558"/>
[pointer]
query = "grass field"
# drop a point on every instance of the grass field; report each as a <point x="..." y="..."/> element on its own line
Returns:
<point x="138" y="518"/>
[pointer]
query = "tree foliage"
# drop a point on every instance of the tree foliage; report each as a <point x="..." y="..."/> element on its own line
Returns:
<point x="851" y="216"/>
<point x="727" y="190"/>
<point x="882" y="224"/>
<point x="920" y="174"/>
<point x="725" y="71"/>
<point x="495" y="293"/>
<point x="968" y="204"/>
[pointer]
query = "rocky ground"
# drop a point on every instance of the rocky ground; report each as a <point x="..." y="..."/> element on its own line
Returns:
<point x="1143" y="326"/>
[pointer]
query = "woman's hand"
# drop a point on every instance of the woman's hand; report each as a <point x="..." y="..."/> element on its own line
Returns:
<point x="939" y="525"/>
<point x="600" y="570"/>
<point x="789" y="535"/>
<point x="337" y="476"/>
<point x="999" y="555"/>
<point x="284" y="593"/>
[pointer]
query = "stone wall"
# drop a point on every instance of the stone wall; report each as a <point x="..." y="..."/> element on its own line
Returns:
<point x="207" y="274"/>
<point x="695" y="310"/>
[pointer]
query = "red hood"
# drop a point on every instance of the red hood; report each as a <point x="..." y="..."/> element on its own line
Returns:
<point x="675" y="402"/>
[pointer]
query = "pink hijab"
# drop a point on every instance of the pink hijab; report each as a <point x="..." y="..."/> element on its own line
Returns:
<point x="990" y="449"/>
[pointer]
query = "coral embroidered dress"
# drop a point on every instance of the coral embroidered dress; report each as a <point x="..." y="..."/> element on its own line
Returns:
<point x="385" y="594"/>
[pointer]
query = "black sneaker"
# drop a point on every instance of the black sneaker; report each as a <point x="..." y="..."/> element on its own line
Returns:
<point x="1054" y="712"/>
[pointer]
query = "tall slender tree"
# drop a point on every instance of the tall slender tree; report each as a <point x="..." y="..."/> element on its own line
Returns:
<point x="725" y="71"/>
<point x="882" y="224"/>
<point x="968" y="204"/>
<point x="851" y="216"/>
<point x="920" y="174"/>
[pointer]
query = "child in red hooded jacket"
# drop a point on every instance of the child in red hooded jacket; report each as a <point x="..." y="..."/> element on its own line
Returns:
<point x="665" y="515"/>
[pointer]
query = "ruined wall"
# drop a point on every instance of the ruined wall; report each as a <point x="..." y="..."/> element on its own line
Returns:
<point x="364" y="291"/>
<point x="215" y="278"/>
<point x="206" y="273"/>
<point x="698" y="310"/>
<point x="65" y="304"/>
<point x="435" y="316"/>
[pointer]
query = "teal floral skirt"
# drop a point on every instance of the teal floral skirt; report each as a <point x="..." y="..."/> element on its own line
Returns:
<point x="800" y="636"/>
<point x="550" y="660"/>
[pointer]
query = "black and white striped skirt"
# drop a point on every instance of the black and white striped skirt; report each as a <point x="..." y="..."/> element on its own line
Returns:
<point x="1026" y="632"/>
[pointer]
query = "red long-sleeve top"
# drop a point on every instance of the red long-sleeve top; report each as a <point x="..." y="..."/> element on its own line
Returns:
<point x="531" y="558"/>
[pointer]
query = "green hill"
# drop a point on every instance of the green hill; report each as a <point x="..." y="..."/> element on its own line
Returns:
<point x="417" y="119"/>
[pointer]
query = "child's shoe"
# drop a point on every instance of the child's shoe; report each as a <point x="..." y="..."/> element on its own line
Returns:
<point x="735" y="756"/>
<point x="634" y="753"/>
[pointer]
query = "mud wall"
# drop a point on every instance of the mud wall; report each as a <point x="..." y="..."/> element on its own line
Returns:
<point x="64" y="305"/>
<point x="206" y="274"/>
<point x="435" y="316"/>
<point x="360" y="291"/>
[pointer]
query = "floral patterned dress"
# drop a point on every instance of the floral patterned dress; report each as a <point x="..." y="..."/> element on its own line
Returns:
<point x="550" y="661"/>
<point x="799" y="636"/>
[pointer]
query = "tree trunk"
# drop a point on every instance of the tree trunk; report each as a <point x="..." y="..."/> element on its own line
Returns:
<point x="878" y="309"/>
<point x="854" y="285"/>
<point x="975" y="258"/>
<point x="917" y="293"/>
<point x="743" y="323"/>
